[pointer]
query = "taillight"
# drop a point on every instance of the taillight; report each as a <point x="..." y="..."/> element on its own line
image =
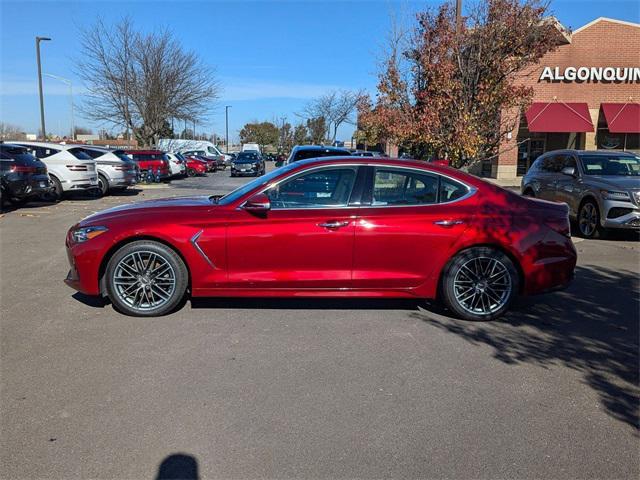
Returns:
<point x="23" y="169"/>
<point x="77" y="168"/>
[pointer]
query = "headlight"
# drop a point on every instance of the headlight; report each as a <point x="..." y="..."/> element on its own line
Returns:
<point x="87" y="233"/>
<point x="614" y="195"/>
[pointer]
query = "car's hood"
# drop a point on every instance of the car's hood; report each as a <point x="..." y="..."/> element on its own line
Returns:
<point x="619" y="182"/>
<point x="149" y="206"/>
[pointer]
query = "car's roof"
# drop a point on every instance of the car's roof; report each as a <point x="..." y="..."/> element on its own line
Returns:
<point x="587" y="152"/>
<point x="143" y="151"/>
<point x="321" y="147"/>
<point x="60" y="146"/>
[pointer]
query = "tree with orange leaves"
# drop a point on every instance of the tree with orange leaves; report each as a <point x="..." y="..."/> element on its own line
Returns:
<point x="447" y="92"/>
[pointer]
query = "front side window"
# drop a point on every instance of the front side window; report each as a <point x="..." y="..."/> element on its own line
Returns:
<point x="392" y="187"/>
<point x="329" y="187"/>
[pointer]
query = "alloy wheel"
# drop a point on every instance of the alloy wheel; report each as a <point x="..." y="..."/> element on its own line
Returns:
<point x="144" y="280"/>
<point x="482" y="285"/>
<point x="588" y="219"/>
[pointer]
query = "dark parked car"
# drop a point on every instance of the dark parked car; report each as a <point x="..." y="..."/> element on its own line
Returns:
<point x="22" y="176"/>
<point x="248" y="163"/>
<point x="303" y="152"/>
<point x="602" y="188"/>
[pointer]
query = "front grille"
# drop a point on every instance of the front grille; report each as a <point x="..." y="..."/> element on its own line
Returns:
<point x="616" y="212"/>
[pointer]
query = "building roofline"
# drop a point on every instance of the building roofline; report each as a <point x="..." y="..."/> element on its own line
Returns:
<point x="606" y="19"/>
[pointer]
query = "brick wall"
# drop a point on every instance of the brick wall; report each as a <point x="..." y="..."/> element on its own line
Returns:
<point x="604" y="43"/>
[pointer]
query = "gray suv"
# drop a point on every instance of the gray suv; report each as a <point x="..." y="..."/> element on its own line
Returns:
<point x="602" y="188"/>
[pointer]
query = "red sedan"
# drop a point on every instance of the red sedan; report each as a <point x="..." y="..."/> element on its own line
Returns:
<point x="345" y="227"/>
<point x="195" y="166"/>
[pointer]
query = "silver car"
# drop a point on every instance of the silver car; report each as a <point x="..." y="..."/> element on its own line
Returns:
<point x="116" y="171"/>
<point x="602" y="188"/>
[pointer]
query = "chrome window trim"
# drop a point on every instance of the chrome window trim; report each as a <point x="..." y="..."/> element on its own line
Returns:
<point x="470" y="189"/>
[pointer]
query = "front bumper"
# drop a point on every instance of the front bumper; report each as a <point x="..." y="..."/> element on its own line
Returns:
<point x="244" y="171"/>
<point x="622" y="215"/>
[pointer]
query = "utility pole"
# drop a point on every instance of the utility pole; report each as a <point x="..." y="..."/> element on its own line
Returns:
<point x="226" y="127"/>
<point x="458" y="15"/>
<point x="42" y="126"/>
<point x="68" y="82"/>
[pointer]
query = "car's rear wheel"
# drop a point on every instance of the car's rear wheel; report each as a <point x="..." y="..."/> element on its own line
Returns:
<point x="103" y="184"/>
<point x="479" y="284"/>
<point x="529" y="193"/>
<point x="146" y="278"/>
<point x="589" y="220"/>
<point x="55" y="193"/>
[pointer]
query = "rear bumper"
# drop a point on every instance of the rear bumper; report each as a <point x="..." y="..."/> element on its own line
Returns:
<point x="28" y="187"/>
<point x="554" y="268"/>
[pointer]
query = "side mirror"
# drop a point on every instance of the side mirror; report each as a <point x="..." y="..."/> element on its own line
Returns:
<point x="571" y="171"/>
<point x="259" y="203"/>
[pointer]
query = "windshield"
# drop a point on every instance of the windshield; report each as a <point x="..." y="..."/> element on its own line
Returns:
<point x="611" y="165"/>
<point x="247" y="187"/>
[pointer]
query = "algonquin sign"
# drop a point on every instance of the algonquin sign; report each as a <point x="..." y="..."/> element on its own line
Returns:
<point x="591" y="74"/>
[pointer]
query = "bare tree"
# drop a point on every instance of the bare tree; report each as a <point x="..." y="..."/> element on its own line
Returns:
<point x="336" y="107"/>
<point x="139" y="81"/>
<point x="11" y="132"/>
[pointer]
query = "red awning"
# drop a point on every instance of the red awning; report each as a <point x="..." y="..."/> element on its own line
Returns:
<point x="622" y="117"/>
<point x="559" y="117"/>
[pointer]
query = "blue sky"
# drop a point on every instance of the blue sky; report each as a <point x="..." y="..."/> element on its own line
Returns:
<point x="270" y="57"/>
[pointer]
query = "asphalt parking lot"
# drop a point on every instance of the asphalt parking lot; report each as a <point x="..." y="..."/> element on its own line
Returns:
<point x="251" y="388"/>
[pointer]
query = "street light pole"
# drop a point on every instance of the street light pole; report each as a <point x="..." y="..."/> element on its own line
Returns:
<point x="68" y="82"/>
<point x="42" y="126"/>
<point x="226" y="127"/>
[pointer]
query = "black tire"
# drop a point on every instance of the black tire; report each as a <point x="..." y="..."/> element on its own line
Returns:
<point x="144" y="285"/>
<point x="479" y="296"/>
<point x="233" y="174"/>
<point x="56" y="193"/>
<point x="191" y="172"/>
<point x="103" y="184"/>
<point x="589" y="220"/>
<point x="529" y="193"/>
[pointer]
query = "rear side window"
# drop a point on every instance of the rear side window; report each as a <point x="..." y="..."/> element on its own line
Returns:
<point x="79" y="153"/>
<point x="393" y="187"/>
<point x="451" y="190"/>
<point x="92" y="153"/>
<point x="41" y="152"/>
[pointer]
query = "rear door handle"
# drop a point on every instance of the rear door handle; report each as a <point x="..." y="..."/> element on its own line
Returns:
<point x="334" y="224"/>
<point x="448" y="223"/>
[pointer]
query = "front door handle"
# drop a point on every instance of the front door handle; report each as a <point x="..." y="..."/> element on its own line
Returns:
<point x="448" y="223"/>
<point x="334" y="224"/>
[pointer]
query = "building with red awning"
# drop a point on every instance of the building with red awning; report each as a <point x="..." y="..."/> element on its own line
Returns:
<point x="586" y="96"/>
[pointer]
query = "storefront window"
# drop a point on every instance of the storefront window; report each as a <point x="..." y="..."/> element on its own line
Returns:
<point x="528" y="151"/>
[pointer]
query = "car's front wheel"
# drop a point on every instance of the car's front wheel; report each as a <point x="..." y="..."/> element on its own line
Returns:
<point x="479" y="284"/>
<point x="146" y="278"/>
<point x="589" y="220"/>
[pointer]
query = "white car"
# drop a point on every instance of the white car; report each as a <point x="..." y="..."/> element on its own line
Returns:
<point x="115" y="169"/>
<point x="177" y="165"/>
<point x="69" y="171"/>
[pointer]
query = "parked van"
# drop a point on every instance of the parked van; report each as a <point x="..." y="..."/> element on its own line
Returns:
<point x="70" y="169"/>
<point x="180" y="145"/>
<point x="115" y="169"/>
<point x="251" y="147"/>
